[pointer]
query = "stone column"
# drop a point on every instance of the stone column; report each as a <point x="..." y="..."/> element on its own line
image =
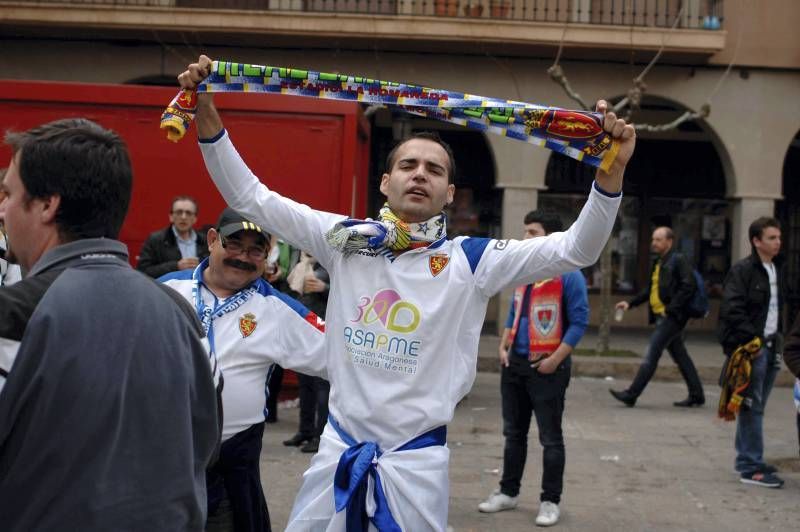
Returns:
<point x="745" y="210"/>
<point x="520" y="172"/>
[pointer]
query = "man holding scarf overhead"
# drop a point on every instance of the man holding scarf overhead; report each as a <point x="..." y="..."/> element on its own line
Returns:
<point x="405" y="313"/>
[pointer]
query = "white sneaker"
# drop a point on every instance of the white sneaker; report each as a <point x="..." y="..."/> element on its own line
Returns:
<point x="548" y="514"/>
<point x="497" y="502"/>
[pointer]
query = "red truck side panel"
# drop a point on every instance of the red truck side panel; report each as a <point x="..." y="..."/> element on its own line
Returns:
<point x="313" y="151"/>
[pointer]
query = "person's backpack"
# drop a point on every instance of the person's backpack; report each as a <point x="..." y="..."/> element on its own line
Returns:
<point x="698" y="306"/>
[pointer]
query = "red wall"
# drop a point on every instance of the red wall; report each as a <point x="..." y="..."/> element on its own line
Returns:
<point x="314" y="151"/>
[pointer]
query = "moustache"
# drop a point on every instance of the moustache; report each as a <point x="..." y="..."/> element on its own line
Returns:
<point x="234" y="263"/>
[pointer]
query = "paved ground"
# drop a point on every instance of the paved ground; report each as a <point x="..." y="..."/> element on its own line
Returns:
<point x="653" y="467"/>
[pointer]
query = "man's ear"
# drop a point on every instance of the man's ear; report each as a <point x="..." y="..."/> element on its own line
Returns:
<point x="451" y="192"/>
<point x="384" y="184"/>
<point x="49" y="208"/>
<point x="211" y="236"/>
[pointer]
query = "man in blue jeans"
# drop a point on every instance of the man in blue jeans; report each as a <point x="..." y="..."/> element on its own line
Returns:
<point x="751" y="307"/>
<point x="546" y="321"/>
<point x="669" y="294"/>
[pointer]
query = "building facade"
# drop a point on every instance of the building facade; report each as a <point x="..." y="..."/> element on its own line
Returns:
<point x="708" y="178"/>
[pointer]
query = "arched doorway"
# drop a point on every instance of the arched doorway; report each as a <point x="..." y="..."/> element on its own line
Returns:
<point x="476" y="209"/>
<point x="675" y="178"/>
<point x="788" y="212"/>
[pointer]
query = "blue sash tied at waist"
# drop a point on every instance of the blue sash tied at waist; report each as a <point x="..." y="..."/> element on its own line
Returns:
<point x="356" y="465"/>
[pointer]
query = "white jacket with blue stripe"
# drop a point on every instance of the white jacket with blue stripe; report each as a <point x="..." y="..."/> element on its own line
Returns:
<point x="402" y="335"/>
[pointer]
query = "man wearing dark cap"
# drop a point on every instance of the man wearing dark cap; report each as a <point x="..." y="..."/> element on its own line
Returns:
<point x="250" y="326"/>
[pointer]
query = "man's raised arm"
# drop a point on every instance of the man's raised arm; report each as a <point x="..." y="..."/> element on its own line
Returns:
<point x="298" y="224"/>
<point x="501" y="264"/>
<point x="208" y="122"/>
<point x="625" y="135"/>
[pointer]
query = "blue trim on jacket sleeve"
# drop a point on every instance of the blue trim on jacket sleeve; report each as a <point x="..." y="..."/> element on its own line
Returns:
<point x="474" y="248"/>
<point x="264" y="288"/>
<point x="266" y="389"/>
<point x="576" y="300"/>
<point x="213" y="139"/>
<point x="179" y="275"/>
<point x="511" y="314"/>
<point x="607" y="194"/>
<point x="292" y="303"/>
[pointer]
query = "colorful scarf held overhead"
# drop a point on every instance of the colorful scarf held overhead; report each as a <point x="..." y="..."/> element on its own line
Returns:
<point x="577" y="134"/>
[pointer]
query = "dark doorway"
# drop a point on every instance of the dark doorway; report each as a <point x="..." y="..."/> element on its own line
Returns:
<point x="673" y="182"/>
<point x="788" y="212"/>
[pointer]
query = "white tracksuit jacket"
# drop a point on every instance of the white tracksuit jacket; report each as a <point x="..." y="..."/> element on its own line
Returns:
<point x="401" y="338"/>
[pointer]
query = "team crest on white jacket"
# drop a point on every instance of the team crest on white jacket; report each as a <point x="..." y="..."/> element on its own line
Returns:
<point x="544" y="318"/>
<point x="437" y="263"/>
<point x="247" y="324"/>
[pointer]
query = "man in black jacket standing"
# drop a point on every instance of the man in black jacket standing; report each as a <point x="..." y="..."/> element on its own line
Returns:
<point x="179" y="246"/>
<point x="669" y="293"/>
<point x="751" y="307"/>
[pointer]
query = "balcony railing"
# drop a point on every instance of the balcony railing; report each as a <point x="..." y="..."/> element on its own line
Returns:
<point x="691" y="14"/>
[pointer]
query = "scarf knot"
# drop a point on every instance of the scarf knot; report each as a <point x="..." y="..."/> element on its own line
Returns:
<point x="389" y="232"/>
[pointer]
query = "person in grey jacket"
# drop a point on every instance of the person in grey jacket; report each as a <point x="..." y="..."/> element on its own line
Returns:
<point x="108" y="407"/>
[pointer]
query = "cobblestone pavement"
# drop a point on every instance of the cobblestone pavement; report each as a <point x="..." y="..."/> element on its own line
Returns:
<point x="654" y="467"/>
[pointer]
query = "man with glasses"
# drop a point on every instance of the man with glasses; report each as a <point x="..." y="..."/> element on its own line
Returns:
<point x="179" y="246"/>
<point x="250" y="326"/>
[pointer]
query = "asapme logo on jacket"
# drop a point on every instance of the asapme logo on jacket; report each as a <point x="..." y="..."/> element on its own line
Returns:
<point x="382" y="333"/>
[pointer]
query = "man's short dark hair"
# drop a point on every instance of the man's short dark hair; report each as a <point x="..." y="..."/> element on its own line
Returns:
<point x="176" y="199"/>
<point x="86" y="165"/>
<point x="550" y="221"/>
<point x="759" y="224"/>
<point x="425" y="135"/>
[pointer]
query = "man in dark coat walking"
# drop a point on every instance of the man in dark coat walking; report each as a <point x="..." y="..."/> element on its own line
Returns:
<point x="669" y="292"/>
